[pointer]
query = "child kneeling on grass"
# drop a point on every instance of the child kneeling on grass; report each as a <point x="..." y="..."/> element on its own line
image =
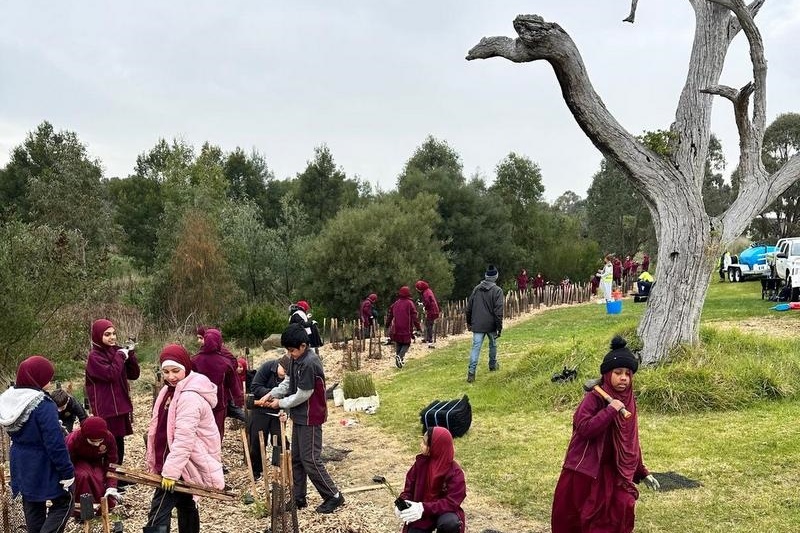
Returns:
<point x="435" y="488"/>
<point x="596" y="491"/>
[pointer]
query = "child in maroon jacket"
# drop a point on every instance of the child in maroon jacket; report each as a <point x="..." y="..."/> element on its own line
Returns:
<point x="435" y="488"/>
<point x="431" y="306"/>
<point x="92" y="449"/>
<point x="108" y="369"/>
<point x="400" y="318"/>
<point x="596" y="490"/>
<point x="217" y="364"/>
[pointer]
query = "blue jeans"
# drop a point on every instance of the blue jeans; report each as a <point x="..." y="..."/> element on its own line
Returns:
<point x="477" y="343"/>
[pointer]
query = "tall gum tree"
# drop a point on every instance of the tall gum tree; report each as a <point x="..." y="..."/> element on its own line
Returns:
<point x="689" y="240"/>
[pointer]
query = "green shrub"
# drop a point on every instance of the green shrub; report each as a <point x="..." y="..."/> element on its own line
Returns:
<point x="357" y="385"/>
<point x="255" y="323"/>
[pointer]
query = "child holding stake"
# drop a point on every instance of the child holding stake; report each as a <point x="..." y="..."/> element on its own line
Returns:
<point x="596" y="491"/>
<point x="182" y="441"/>
<point x="92" y="448"/>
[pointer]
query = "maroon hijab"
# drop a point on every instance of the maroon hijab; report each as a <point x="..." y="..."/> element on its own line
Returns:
<point x="98" y="327"/>
<point x="441" y="454"/>
<point x="34" y="372"/>
<point x="212" y="342"/>
<point x="625" y="432"/>
<point x="93" y="428"/>
<point x="177" y="354"/>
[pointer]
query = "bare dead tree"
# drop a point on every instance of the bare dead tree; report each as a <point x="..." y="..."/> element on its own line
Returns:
<point x="689" y="240"/>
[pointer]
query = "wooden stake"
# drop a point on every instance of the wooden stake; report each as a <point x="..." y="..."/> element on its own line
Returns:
<point x="104" y="514"/>
<point x="264" y="466"/>
<point x="249" y="461"/>
<point x="154" y="480"/>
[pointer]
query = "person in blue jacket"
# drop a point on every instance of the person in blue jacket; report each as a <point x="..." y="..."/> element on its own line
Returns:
<point x="40" y="466"/>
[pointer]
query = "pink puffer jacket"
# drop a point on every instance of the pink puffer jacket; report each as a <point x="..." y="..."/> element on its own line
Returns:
<point x="195" y="451"/>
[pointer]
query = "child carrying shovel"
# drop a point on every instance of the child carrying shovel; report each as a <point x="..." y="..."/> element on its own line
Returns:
<point x="596" y="490"/>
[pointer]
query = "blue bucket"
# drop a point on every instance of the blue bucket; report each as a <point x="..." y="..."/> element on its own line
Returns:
<point x="614" y="307"/>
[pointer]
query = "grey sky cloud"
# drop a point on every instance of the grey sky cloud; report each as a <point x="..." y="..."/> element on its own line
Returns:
<point x="370" y="79"/>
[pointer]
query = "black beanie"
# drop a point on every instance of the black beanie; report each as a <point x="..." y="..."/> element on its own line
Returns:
<point x="619" y="357"/>
<point x="491" y="273"/>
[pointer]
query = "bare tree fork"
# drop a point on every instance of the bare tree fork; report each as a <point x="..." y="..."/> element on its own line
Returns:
<point x="630" y="18"/>
<point x="689" y="241"/>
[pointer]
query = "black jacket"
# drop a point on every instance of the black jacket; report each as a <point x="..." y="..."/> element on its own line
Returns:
<point x="485" y="308"/>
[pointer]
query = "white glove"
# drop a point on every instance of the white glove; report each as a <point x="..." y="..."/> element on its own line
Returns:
<point x="413" y="513"/>
<point x="112" y="492"/>
<point x="67" y="483"/>
<point x="397" y="511"/>
<point x="652" y="482"/>
<point x="124" y="352"/>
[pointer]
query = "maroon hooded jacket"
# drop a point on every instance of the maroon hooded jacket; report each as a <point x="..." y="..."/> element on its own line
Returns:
<point x="402" y="315"/>
<point x="447" y="488"/>
<point x="428" y="300"/>
<point x="219" y="366"/>
<point x="107" y="375"/>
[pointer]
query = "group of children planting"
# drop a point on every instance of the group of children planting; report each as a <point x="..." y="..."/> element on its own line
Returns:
<point x="596" y="491"/>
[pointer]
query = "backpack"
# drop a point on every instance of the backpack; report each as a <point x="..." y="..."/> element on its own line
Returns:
<point x="454" y="415"/>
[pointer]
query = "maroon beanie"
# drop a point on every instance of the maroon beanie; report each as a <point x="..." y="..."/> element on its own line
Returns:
<point x="201" y="330"/>
<point x="404" y="292"/>
<point x="35" y="371"/>
<point x="98" y="327"/>
<point x="94" y="427"/>
<point x="302" y="304"/>
<point x="177" y="354"/>
<point x="373" y="297"/>
<point x="421" y="285"/>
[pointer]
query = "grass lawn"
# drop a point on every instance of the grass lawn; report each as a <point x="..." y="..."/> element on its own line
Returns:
<point x="721" y="413"/>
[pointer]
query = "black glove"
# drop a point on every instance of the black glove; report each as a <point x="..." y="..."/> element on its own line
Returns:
<point x="497" y="335"/>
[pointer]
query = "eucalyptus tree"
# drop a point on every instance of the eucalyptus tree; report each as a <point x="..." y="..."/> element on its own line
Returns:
<point x="689" y="239"/>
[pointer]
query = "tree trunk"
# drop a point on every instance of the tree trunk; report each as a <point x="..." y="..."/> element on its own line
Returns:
<point x="685" y="258"/>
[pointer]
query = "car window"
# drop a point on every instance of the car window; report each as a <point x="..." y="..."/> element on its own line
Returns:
<point x="795" y="248"/>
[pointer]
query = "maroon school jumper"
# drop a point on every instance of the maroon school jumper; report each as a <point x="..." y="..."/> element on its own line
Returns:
<point x="437" y="481"/>
<point x="91" y="464"/>
<point x="596" y="491"/>
<point x="216" y="363"/>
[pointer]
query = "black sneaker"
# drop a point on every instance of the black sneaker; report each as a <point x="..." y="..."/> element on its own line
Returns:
<point x="470" y="377"/>
<point x="398" y="361"/>
<point x="495" y="367"/>
<point x="331" y="504"/>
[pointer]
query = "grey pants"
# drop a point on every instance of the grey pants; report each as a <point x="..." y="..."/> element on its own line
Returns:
<point x="307" y="462"/>
<point x="429" y="331"/>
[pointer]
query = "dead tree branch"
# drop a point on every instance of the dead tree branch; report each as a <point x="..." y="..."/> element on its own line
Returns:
<point x="540" y="40"/>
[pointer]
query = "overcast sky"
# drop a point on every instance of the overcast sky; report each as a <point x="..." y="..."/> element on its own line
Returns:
<point x="370" y="78"/>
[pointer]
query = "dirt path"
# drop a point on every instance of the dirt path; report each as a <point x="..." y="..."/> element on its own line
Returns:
<point x="372" y="452"/>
